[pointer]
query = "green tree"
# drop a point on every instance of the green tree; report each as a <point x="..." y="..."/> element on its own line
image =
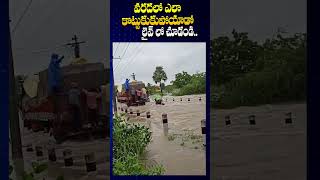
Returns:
<point x="232" y="57"/>
<point x="271" y="72"/>
<point x="159" y="75"/>
<point x="181" y="79"/>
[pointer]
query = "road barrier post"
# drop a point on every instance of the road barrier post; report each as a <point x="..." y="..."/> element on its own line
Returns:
<point x="203" y="131"/>
<point x="90" y="162"/>
<point x="148" y="114"/>
<point x="165" y="124"/>
<point x="29" y="148"/>
<point x="138" y="112"/>
<point x="52" y="154"/>
<point x="68" y="160"/>
<point x="39" y="151"/>
<point x="252" y="120"/>
<point x="288" y="119"/>
<point x="228" y="120"/>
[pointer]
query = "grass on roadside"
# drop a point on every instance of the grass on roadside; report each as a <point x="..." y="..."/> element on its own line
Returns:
<point x="129" y="144"/>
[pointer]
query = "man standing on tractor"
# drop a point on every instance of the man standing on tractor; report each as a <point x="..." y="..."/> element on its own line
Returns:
<point x="126" y="86"/>
<point x="55" y="81"/>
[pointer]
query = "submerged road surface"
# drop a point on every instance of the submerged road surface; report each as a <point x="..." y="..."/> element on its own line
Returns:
<point x="270" y="149"/>
<point x="100" y="148"/>
<point x="181" y="152"/>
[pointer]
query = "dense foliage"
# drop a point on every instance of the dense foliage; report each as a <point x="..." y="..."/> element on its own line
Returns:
<point x="129" y="144"/>
<point x="186" y="84"/>
<point x="244" y="72"/>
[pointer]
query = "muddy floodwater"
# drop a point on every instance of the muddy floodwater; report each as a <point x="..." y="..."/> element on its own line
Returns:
<point x="181" y="151"/>
<point x="100" y="148"/>
<point x="269" y="149"/>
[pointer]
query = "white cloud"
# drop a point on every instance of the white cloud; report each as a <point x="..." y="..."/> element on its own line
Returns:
<point x="142" y="59"/>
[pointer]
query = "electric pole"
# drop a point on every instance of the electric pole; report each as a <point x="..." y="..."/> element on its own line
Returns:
<point x="16" y="146"/>
<point x="114" y="88"/>
<point x="133" y="76"/>
<point x="76" y="46"/>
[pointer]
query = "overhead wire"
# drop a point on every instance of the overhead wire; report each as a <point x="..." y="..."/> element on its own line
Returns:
<point x="132" y="59"/>
<point x="116" y="49"/>
<point x="125" y="51"/>
<point x="137" y="49"/>
<point x="124" y="69"/>
<point x="22" y="16"/>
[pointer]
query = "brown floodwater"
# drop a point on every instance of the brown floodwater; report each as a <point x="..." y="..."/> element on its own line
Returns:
<point x="79" y="149"/>
<point x="270" y="149"/>
<point x="181" y="151"/>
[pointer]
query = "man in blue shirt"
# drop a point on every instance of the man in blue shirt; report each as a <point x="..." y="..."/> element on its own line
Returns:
<point x="54" y="81"/>
<point x="126" y="84"/>
<point x="54" y="73"/>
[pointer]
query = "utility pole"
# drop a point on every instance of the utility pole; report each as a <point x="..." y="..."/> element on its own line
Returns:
<point x="133" y="76"/>
<point x="16" y="149"/>
<point x="114" y="88"/>
<point x="76" y="46"/>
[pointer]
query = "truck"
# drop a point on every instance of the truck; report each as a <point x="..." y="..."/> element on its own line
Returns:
<point x="41" y="115"/>
<point x="132" y="97"/>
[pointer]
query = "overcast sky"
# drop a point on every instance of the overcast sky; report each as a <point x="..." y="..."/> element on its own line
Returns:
<point x="49" y="24"/>
<point x="260" y="18"/>
<point x="142" y="59"/>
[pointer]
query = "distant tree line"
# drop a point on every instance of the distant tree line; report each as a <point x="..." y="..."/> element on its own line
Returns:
<point x="245" y="72"/>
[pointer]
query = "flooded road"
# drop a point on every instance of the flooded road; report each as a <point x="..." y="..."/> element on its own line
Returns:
<point x="79" y="149"/>
<point x="270" y="149"/>
<point x="181" y="152"/>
